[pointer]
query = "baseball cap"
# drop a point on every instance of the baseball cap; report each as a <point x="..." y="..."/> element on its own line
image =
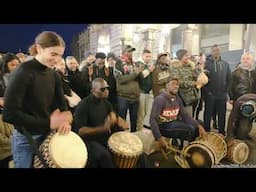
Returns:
<point x="161" y="54"/>
<point x="128" y="48"/>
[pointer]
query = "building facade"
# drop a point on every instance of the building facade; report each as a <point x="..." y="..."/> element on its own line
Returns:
<point x="195" y="38"/>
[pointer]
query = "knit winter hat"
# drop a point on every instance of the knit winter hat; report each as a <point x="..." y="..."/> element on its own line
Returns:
<point x="100" y="55"/>
<point x="180" y="53"/>
<point x="111" y="55"/>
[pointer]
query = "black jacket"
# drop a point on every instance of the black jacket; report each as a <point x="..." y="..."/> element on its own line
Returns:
<point x="242" y="82"/>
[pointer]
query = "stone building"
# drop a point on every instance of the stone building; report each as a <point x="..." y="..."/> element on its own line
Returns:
<point x="167" y="37"/>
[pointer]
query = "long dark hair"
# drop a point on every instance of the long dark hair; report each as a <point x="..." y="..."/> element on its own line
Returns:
<point x="4" y="62"/>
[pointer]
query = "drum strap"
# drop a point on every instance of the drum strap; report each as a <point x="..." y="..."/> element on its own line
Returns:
<point x="34" y="146"/>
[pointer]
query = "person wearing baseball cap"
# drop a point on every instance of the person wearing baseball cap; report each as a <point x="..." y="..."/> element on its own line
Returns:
<point x="161" y="74"/>
<point x="128" y="48"/>
<point x="127" y="87"/>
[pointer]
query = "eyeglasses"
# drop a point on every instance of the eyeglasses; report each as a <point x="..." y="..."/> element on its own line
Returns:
<point x="104" y="88"/>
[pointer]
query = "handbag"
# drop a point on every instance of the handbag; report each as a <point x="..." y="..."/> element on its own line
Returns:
<point x="189" y="95"/>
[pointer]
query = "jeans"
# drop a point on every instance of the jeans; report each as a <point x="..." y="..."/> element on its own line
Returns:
<point x="133" y="106"/>
<point x="179" y="130"/>
<point x="21" y="150"/>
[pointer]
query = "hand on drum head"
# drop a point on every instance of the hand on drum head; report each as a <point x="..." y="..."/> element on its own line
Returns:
<point x="64" y="128"/>
<point x="122" y="123"/>
<point x="57" y="118"/>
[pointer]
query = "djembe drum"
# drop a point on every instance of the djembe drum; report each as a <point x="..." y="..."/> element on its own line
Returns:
<point x="62" y="151"/>
<point x="126" y="148"/>
<point x="238" y="151"/>
<point x="205" y="153"/>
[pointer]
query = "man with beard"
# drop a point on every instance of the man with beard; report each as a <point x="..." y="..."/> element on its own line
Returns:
<point x="169" y="119"/>
<point x="161" y="74"/>
<point x="127" y="86"/>
<point x="243" y="78"/>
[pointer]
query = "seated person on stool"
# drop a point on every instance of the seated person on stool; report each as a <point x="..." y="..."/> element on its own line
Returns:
<point x="169" y="119"/>
<point x="241" y="117"/>
<point x="95" y="121"/>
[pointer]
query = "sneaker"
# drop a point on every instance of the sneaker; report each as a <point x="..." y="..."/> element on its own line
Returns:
<point x="223" y="133"/>
<point x="177" y="143"/>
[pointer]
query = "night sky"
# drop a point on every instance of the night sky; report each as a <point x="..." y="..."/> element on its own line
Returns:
<point x="16" y="37"/>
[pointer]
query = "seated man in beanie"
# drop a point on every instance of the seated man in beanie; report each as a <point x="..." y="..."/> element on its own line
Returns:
<point x="169" y="119"/>
<point x="241" y="117"/>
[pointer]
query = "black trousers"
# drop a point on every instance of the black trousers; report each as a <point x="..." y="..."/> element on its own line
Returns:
<point x="217" y="104"/>
<point x="99" y="156"/>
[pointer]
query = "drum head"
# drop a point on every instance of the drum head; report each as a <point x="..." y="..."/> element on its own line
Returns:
<point x="217" y="143"/>
<point x="240" y="153"/>
<point x="199" y="156"/>
<point x="125" y="143"/>
<point x="68" y="151"/>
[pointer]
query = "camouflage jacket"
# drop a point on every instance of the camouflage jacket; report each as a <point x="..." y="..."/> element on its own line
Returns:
<point x="187" y="76"/>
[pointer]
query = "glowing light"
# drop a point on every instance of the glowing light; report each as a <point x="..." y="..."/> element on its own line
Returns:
<point x="136" y="38"/>
<point x="166" y="29"/>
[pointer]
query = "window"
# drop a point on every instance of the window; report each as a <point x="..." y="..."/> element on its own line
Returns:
<point x="213" y="30"/>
